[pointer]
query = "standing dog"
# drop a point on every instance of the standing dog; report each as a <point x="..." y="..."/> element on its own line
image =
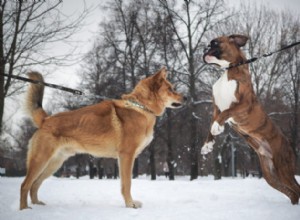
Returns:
<point x="114" y="128"/>
<point x="235" y="102"/>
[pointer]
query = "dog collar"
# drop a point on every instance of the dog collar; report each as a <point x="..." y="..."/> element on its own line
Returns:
<point x="130" y="103"/>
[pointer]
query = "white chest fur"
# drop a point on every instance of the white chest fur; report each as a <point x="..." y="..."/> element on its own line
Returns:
<point x="224" y="92"/>
<point x="144" y="144"/>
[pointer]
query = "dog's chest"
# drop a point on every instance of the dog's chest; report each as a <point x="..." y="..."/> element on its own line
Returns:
<point x="146" y="141"/>
<point x="224" y="92"/>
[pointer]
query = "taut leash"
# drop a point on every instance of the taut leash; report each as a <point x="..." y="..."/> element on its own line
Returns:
<point x="251" y="60"/>
<point x="74" y="91"/>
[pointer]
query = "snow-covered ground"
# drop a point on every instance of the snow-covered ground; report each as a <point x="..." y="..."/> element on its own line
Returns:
<point x="205" y="199"/>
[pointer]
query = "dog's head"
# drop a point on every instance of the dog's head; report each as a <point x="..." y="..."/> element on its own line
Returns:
<point x="225" y="50"/>
<point x="156" y="93"/>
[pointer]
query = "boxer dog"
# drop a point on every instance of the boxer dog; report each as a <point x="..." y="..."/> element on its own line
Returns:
<point x="235" y="102"/>
<point x="113" y="128"/>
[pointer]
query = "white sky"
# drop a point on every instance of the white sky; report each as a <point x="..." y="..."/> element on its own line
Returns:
<point x="293" y="5"/>
<point x="83" y="39"/>
<point x="67" y="76"/>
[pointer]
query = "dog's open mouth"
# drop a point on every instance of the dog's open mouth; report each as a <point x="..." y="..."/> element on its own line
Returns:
<point x="176" y="105"/>
<point x="211" y="60"/>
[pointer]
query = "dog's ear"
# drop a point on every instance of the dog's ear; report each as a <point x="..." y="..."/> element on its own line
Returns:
<point x="162" y="73"/>
<point x="127" y="96"/>
<point x="239" y="40"/>
<point x="158" y="78"/>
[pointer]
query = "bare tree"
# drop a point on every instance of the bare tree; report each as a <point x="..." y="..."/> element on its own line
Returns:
<point x="26" y="29"/>
<point x="290" y="32"/>
<point x="190" y="23"/>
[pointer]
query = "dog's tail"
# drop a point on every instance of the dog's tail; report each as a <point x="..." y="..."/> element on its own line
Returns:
<point x="34" y="100"/>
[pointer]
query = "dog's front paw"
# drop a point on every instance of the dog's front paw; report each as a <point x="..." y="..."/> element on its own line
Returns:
<point x="207" y="147"/>
<point x="38" y="202"/>
<point x="216" y="128"/>
<point x="134" y="204"/>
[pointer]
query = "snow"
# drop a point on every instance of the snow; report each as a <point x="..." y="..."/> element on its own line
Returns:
<point x="204" y="198"/>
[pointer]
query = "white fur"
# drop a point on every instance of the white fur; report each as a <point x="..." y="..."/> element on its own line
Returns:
<point x="207" y="147"/>
<point x="144" y="144"/>
<point x="169" y="104"/>
<point x="224" y="92"/>
<point x="230" y="121"/>
<point x="212" y="59"/>
<point x="216" y="128"/>
<point x="134" y="204"/>
<point x="265" y="149"/>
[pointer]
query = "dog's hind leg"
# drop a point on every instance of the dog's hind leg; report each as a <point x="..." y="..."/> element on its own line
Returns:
<point x="271" y="176"/>
<point x="54" y="164"/>
<point x="37" y="160"/>
<point x="288" y="179"/>
<point x="292" y="171"/>
<point x="34" y="170"/>
<point x="286" y="173"/>
<point x="296" y="185"/>
<point x="285" y="164"/>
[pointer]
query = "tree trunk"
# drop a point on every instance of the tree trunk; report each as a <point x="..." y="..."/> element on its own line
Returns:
<point x="1" y="97"/>
<point x="217" y="168"/>
<point x="100" y="168"/>
<point x="194" y="149"/>
<point x="116" y="169"/>
<point x="192" y="81"/>
<point x="91" y="169"/>
<point x="170" y="157"/>
<point x="193" y="123"/>
<point x="2" y="71"/>
<point x="135" y="172"/>
<point x="152" y="162"/>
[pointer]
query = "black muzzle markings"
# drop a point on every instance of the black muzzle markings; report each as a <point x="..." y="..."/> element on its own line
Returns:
<point x="213" y="49"/>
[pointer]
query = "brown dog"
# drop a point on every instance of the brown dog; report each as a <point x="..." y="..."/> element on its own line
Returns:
<point x="235" y="102"/>
<point x="115" y="128"/>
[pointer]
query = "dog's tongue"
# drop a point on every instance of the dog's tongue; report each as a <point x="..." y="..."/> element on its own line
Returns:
<point x="208" y="59"/>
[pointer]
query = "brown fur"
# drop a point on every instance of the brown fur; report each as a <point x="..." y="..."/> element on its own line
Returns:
<point x="34" y="100"/>
<point x="115" y="128"/>
<point x="251" y="122"/>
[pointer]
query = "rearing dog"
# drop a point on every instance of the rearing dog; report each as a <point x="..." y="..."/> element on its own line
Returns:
<point x="236" y="103"/>
<point x="114" y="128"/>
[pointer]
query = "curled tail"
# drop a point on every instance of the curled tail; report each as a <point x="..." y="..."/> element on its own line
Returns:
<point x="34" y="100"/>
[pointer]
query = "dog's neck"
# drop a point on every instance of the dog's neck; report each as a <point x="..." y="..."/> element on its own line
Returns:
<point x="134" y="103"/>
<point x="154" y="107"/>
<point x="240" y="73"/>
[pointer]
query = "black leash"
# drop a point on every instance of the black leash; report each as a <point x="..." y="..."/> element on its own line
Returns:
<point x="74" y="91"/>
<point x="262" y="56"/>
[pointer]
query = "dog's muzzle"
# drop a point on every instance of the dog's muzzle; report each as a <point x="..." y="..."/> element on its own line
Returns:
<point x="213" y="49"/>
